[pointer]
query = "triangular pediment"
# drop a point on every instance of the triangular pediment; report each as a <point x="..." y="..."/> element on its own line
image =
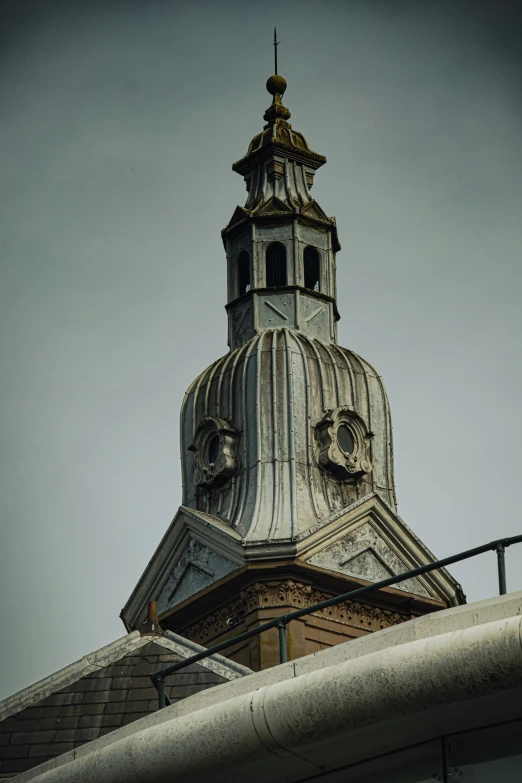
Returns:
<point x="364" y="553"/>
<point x="368" y="540"/>
<point x="274" y="206"/>
<point x="314" y="211"/>
<point x="197" y="550"/>
<point x="197" y="567"/>
<point x="239" y="215"/>
<point x="365" y="562"/>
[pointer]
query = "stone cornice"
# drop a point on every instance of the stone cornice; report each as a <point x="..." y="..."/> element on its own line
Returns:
<point x="308" y="158"/>
<point x="286" y="217"/>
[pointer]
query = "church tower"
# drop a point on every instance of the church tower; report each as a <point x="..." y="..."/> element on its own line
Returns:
<point x="286" y="442"/>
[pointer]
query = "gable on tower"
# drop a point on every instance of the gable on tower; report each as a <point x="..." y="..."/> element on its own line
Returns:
<point x="314" y="211"/>
<point x="369" y="540"/>
<point x="240" y="215"/>
<point x="274" y="206"/>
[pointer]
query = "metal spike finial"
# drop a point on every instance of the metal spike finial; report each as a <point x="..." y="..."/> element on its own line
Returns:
<point x="276" y="44"/>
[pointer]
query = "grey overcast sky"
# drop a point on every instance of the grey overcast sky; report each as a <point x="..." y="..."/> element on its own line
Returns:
<point x="120" y="121"/>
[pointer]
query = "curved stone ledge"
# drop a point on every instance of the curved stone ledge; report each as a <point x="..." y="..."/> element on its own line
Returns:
<point x="318" y="721"/>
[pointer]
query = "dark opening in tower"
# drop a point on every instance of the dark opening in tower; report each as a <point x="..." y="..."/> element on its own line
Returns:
<point x="275" y="265"/>
<point x="311" y="268"/>
<point x="243" y="273"/>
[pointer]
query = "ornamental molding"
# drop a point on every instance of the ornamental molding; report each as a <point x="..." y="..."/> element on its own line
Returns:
<point x="215" y="444"/>
<point x="348" y="465"/>
<point x="275" y="169"/>
<point x="290" y="595"/>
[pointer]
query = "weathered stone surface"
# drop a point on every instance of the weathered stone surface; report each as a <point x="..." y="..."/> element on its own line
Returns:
<point x="197" y="567"/>
<point x="363" y="552"/>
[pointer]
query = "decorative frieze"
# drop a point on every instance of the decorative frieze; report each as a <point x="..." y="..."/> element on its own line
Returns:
<point x="290" y="595"/>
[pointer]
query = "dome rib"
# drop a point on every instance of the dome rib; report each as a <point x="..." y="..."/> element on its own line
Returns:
<point x="224" y="366"/>
<point x="309" y="443"/>
<point x="275" y="452"/>
<point x="291" y="433"/>
<point x="353" y="389"/>
<point x="246" y="435"/>
<point x="259" y="348"/>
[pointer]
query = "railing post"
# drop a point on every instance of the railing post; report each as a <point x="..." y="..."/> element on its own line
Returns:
<point x="444" y="760"/>
<point x="282" y="642"/>
<point x="161" y="691"/>
<point x="501" y="561"/>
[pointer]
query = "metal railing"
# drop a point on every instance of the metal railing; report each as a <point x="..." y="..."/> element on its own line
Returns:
<point x="158" y="679"/>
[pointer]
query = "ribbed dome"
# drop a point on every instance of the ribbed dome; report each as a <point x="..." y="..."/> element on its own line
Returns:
<point x="272" y="392"/>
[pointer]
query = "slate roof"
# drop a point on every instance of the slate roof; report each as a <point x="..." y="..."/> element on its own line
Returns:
<point x="98" y="694"/>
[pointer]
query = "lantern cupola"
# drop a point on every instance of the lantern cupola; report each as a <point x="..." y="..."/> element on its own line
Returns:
<point x="281" y="245"/>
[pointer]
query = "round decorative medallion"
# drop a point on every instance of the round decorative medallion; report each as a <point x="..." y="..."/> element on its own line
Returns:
<point x="215" y="444"/>
<point x="344" y="443"/>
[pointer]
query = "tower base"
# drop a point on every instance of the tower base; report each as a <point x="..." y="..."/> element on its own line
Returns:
<point x="258" y="593"/>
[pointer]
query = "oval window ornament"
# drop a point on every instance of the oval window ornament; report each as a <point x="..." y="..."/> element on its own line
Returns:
<point x="345" y="439"/>
<point x="213" y="449"/>
<point x="215" y="444"/>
